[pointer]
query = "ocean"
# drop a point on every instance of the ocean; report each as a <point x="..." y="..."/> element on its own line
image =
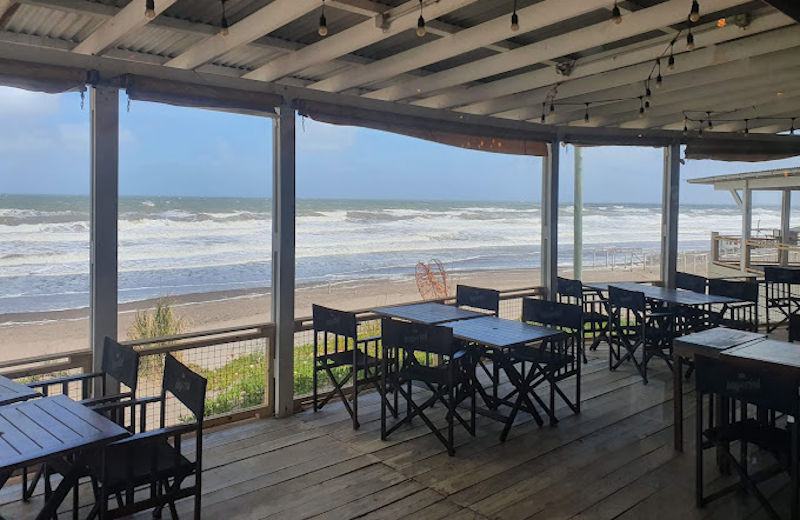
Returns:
<point x="171" y="246"/>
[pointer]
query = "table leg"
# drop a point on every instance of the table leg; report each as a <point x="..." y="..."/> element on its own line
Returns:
<point x="67" y="483"/>
<point x="677" y="401"/>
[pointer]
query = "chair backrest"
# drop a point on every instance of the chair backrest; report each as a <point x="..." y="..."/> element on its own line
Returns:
<point x="774" y="274"/>
<point x="121" y="363"/>
<point x="747" y="291"/>
<point x="334" y="321"/>
<point x="417" y="337"/>
<point x="625" y="299"/>
<point x="691" y="282"/>
<point x="187" y="386"/>
<point x="561" y="315"/>
<point x="567" y="288"/>
<point x="478" y="298"/>
<point x="794" y="327"/>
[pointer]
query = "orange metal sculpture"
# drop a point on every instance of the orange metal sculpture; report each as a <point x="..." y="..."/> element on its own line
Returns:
<point x="431" y="280"/>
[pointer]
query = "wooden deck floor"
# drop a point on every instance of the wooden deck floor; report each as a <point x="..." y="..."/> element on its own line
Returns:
<point x="614" y="460"/>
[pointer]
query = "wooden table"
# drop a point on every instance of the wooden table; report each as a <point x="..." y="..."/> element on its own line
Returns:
<point x="13" y="392"/>
<point x="427" y="313"/>
<point x="498" y="335"/>
<point x="709" y="343"/>
<point x="50" y="428"/>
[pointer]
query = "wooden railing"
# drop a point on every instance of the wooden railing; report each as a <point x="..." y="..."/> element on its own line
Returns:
<point x="726" y="251"/>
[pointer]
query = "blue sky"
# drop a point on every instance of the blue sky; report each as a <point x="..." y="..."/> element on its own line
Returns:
<point x="164" y="150"/>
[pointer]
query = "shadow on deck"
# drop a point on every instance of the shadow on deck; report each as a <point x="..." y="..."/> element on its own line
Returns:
<point x="614" y="460"/>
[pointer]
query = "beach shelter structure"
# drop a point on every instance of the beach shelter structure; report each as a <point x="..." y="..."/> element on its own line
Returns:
<point x="781" y="242"/>
<point x="502" y="76"/>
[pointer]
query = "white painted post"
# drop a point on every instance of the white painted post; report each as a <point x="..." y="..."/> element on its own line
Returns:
<point x="670" y="208"/>
<point x="283" y="257"/>
<point x="747" y="224"/>
<point x="577" y="217"/>
<point x="786" y="211"/>
<point x="549" y="246"/>
<point x="103" y="218"/>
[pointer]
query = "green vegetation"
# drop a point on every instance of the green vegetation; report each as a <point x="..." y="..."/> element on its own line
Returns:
<point x="236" y="385"/>
<point x="159" y="323"/>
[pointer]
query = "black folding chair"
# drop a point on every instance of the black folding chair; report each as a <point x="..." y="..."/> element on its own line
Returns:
<point x="635" y="325"/>
<point x="149" y="469"/>
<point x="405" y="346"/>
<point x="555" y="360"/>
<point x="695" y="318"/>
<point x="691" y="282"/>
<point x="595" y="312"/>
<point x="478" y="298"/>
<point x="120" y="366"/>
<point x="343" y="357"/>
<point x="743" y="315"/>
<point x="749" y="399"/>
<point x="782" y="294"/>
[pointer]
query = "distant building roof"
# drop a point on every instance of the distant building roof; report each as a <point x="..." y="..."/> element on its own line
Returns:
<point x="762" y="180"/>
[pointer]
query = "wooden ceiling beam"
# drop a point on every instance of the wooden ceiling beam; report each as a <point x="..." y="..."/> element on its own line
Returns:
<point x="542" y="14"/>
<point x="399" y="19"/>
<point x="129" y="19"/>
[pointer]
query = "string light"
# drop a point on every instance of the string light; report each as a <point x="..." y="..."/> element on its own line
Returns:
<point x="791" y="129"/>
<point x="543" y="116"/>
<point x="586" y="114"/>
<point x="616" y="14"/>
<point x="746" y="126"/>
<point x="690" y="40"/>
<point x="708" y="119"/>
<point x="420" y="22"/>
<point x="150" y="9"/>
<point x="685" y="125"/>
<point x="671" y="60"/>
<point x="647" y="92"/>
<point x="223" y="26"/>
<point x="514" y="18"/>
<point x="323" y="22"/>
<point x="659" y="78"/>
<point x="710" y="124"/>
<point x="694" y="14"/>
<point x="641" y="106"/>
<point x="552" y="107"/>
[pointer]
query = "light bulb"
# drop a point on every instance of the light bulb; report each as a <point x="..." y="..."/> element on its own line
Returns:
<point x="224" y="27"/>
<point x="659" y="81"/>
<point x="150" y="9"/>
<point x="323" y="26"/>
<point x="694" y="14"/>
<point x="514" y="22"/>
<point x="421" y="26"/>
<point x="616" y="14"/>
<point x="690" y="41"/>
<point x="671" y="62"/>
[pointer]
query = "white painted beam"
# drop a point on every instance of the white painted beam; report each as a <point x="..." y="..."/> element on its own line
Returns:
<point x="270" y="17"/>
<point x="549" y="220"/>
<point x="283" y="257"/>
<point x="531" y="18"/>
<point x="643" y="21"/>
<point x="530" y="103"/>
<point x="670" y="208"/>
<point x="103" y="218"/>
<point x="501" y="95"/>
<point x="681" y="91"/>
<point x="361" y="35"/>
<point x="129" y="19"/>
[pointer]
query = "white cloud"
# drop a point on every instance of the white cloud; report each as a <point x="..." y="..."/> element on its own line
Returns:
<point x="15" y="102"/>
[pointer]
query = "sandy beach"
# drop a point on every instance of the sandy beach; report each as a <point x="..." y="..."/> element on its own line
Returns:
<point x="31" y="334"/>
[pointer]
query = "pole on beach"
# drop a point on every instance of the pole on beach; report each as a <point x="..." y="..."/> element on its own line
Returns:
<point x="577" y="217"/>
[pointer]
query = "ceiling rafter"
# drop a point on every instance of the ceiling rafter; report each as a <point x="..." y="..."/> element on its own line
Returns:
<point x="129" y="19"/>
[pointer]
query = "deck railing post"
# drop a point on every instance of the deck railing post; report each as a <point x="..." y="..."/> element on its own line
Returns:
<point x="283" y="257"/>
<point x="786" y="210"/>
<point x="103" y="218"/>
<point x="577" y="217"/>
<point x="549" y="220"/>
<point x="747" y="224"/>
<point x="669" y="214"/>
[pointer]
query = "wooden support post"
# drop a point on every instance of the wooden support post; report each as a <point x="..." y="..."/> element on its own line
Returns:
<point x="577" y="217"/>
<point x="747" y="224"/>
<point x="669" y="214"/>
<point x="283" y="257"/>
<point x="103" y="218"/>
<point x="786" y="212"/>
<point x="550" y="220"/>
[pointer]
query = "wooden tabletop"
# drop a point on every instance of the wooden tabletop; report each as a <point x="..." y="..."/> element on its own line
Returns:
<point x="13" y="392"/>
<point x="711" y="342"/>
<point x="497" y="332"/>
<point x="427" y="313"/>
<point x="676" y="296"/>
<point x="769" y="353"/>
<point x="41" y="429"/>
